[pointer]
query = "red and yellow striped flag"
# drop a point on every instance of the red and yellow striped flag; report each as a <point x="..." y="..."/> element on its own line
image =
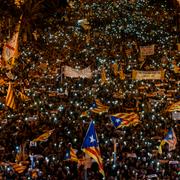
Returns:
<point x="73" y="155"/>
<point x="18" y="167"/>
<point x="174" y="107"/>
<point x="2" y="82"/>
<point x="103" y="76"/>
<point x="44" y="136"/>
<point x="121" y="74"/>
<point x="23" y="97"/>
<point x="115" y="69"/>
<point x="10" y="98"/>
<point x="98" y="107"/>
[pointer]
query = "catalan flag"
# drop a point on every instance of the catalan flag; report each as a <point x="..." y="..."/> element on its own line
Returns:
<point x="115" y="69"/>
<point x="71" y="155"/>
<point x="44" y="136"/>
<point x="21" y="156"/>
<point x="174" y="107"/>
<point x="90" y="146"/>
<point x="10" y="49"/>
<point x="98" y="107"/>
<point x="10" y="98"/>
<point x="170" y="139"/>
<point x="2" y="82"/>
<point x="124" y="119"/>
<point x="18" y="167"/>
<point x="121" y="74"/>
<point x="103" y="76"/>
<point x="23" y="97"/>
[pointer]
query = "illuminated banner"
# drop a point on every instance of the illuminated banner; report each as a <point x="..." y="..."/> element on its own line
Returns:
<point x="147" y="75"/>
<point x="147" y="50"/>
<point x="76" y="73"/>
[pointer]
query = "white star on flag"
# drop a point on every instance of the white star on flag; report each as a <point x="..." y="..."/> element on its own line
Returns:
<point x="170" y="136"/>
<point x="92" y="139"/>
<point x="117" y="120"/>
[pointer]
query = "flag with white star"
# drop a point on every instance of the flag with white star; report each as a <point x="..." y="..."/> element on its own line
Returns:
<point x="124" y="119"/>
<point x="170" y="139"/>
<point x="98" y="107"/>
<point x="71" y="155"/>
<point x="91" y="147"/>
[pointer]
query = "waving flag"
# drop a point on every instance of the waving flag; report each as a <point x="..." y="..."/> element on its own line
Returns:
<point x="10" y="49"/>
<point x="19" y="168"/>
<point x="170" y="139"/>
<point x="115" y="69"/>
<point x="124" y="119"/>
<point x="103" y="76"/>
<point x="10" y="98"/>
<point x="98" y="107"/>
<point x="71" y="155"/>
<point x="44" y="136"/>
<point x="90" y="147"/>
<point x="21" y="156"/>
<point x="23" y="97"/>
<point x="121" y="74"/>
<point x="174" y="107"/>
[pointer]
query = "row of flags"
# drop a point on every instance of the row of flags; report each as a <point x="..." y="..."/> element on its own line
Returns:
<point x="119" y="120"/>
<point x="90" y="147"/>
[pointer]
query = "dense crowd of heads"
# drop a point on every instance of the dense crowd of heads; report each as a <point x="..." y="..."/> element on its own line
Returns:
<point x="114" y="27"/>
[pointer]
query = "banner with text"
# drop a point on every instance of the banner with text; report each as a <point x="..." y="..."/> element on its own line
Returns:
<point x="147" y="75"/>
<point x="76" y="73"/>
<point x="147" y="50"/>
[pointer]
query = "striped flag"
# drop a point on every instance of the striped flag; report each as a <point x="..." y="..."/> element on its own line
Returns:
<point x="115" y="69"/>
<point x="10" y="49"/>
<point x="121" y="74"/>
<point x="23" y="97"/>
<point x="170" y="139"/>
<point x="18" y="167"/>
<point x="124" y="119"/>
<point x="44" y="137"/>
<point x="174" y="107"/>
<point x="10" y="98"/>
<point x="2" y="82"/>
<point x="98" y="107"/>
<point x="90" y="146"/>
<point x="21" y="156"/>
<point x="103" y="76"/>
<point x="71" y="155"/>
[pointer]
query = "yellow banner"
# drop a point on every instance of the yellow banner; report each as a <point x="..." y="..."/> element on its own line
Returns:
<point x="147" y="75"/>
<point x="178" y="46"/>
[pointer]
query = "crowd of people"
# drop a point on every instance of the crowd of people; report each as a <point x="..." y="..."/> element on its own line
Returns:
<point x="114" y="34"/>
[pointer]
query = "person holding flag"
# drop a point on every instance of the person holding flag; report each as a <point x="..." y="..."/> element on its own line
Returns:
<point x="170" y="139"/>
<point x="90" y="146"/>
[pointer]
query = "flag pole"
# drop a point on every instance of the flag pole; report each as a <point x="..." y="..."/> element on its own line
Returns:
<point x="114" y="156"/>
<point x="85" y="174"/>
<point x="62" y="72"/>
